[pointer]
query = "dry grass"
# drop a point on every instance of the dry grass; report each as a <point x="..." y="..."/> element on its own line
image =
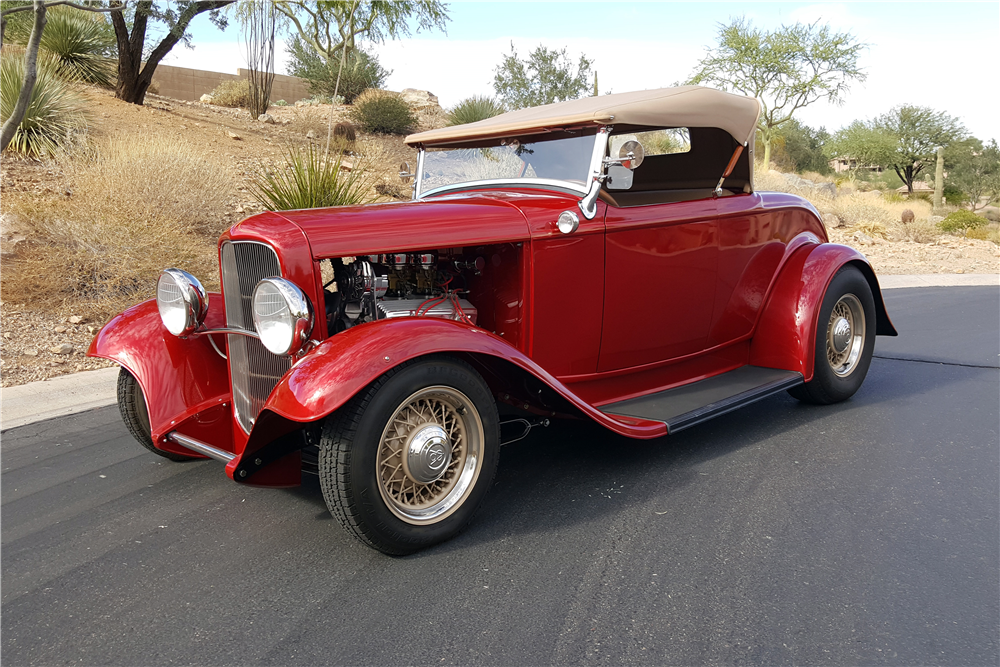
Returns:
<point x="138" y="202"/>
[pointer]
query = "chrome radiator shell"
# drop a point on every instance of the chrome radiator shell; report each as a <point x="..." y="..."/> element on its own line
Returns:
<point x="253" y="370"/>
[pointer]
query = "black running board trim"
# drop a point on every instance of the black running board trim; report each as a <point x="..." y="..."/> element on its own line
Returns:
<point x="688" y="405"/>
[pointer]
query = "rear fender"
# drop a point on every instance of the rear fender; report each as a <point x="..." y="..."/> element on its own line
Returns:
<point x="785" y="334"/>
<point x="344" y="364"/>
<point x="185" y="381"/>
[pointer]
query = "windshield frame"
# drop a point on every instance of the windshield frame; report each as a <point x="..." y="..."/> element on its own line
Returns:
<point x="595" y="169"/>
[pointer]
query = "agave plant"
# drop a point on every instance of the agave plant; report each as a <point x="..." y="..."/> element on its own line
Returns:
<point x="474" y="108"/>
<point x="310" y="179"/>
<point x="54" y="112"/>
<point x="80" y="41"/>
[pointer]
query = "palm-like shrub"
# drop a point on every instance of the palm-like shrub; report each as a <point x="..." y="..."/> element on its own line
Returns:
<point x="383" y="111"/>
<point x="83" y="43"/>
<point x="310" y="179"/>
<point x="477" y="107"/>
<point x="54" y="113"/>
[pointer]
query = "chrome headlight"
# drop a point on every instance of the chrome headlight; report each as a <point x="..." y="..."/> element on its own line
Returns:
<point x="181" y="300"/>
<point x="282" y="316"/>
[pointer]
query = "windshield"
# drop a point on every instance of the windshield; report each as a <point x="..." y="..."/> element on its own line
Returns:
<point x="565" y="159"/>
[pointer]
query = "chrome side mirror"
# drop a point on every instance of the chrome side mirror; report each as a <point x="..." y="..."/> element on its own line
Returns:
<point x="631" y="155"/>
<point x="404" y="172"/>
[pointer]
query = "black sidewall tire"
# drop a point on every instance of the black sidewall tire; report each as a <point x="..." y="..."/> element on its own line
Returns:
<point x="826" y="386"/>
<point x="132" y="406"/>
<point x="377" y="524"/>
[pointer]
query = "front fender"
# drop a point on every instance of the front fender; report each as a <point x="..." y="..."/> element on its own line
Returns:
<point x="344" y="364"/>
<point x="183" y="380"/>
<point x="786" y="332"/>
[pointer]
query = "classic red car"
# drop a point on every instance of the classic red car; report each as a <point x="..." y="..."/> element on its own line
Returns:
<point x="604" y="259"/>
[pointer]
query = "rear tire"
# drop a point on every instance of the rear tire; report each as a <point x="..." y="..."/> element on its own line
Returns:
<point x="132" y="405"/>
<point x="408" y="461"/>
<point x="845" y="340"/>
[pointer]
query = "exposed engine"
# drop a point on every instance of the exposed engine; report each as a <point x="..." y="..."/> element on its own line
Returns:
<point x="375" y="287"/>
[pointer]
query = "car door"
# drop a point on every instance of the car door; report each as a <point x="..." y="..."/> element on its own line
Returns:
<point x="661" y="268"/>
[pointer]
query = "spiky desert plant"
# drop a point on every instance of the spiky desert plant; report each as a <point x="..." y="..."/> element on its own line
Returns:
<point x="472" y="109"/>
<point x="81" y="42"/>
<point x="54" y="113"/>
<point x="310" y="179"/>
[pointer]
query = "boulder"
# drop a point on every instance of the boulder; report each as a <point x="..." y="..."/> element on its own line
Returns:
<point x="266" y="118"/>
<point x="832" y="221"/>
<point x="827" y="189"/>
<point x="206" y="99"/>
<point x="419" y="99"/>
<point x="63" y="348"/>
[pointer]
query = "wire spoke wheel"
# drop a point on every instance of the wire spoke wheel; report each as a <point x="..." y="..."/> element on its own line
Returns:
<point x="430" y="454"/>
<point x="845" y="335"/>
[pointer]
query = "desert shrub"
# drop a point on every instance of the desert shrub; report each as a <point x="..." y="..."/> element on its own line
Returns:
<point x="921" y="230"/>
<point x="310" y="179"/>
<point x="281" y="103"/>
<point x="361" y="71"/>
<point x="54" y="113"/>
<point x="953" y="195"/>
<point x="475" y="108"/>
<point x="961" y="221"/>
<point x="83" y="43"/>
<point x="383" y="111"/>
<point x="139" y="202"/>
<point x="232" y="94"/>
<point x="991" y="215"/>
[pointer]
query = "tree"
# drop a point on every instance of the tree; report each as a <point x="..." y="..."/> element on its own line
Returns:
<point x="786" y="70"/>
<point x="977" y="174"/>
<point x="801" y="147"/>
<point x="38" y="8"/>
<point x="134" y="77"/>
<point x="329" y="25"/>
<point x="906" y="139"/>
<point x="545" y="77"/>
<point x="360" y="72"/>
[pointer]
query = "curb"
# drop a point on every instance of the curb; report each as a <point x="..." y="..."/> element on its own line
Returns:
<point x="77" y="392"/>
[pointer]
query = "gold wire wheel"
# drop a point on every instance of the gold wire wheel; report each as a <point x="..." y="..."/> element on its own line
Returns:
<point x="845" y="335"/>
<point x="430" y="455"/>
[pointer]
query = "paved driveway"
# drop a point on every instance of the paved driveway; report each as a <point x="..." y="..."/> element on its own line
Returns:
<point x="862" y="533"/>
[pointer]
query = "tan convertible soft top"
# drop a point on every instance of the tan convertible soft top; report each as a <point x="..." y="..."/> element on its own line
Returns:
<point x="686" y="106"/>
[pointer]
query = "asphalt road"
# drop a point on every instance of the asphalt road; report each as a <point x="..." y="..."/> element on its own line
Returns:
<point x="862" y="533"/>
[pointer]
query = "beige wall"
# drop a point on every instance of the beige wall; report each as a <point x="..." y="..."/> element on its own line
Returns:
<point x="190" y="84"/>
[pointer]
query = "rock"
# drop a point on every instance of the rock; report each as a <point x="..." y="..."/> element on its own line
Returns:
<point x="832" y="221"/>
<point x="63" y="348"/>
<point x="60" y="329"/>
<point x="31" y="353"/>
<point x="266" y="118"/>
<point x="206" y="99"/>
<point x="234" y="136"/>
<point x="863" y="238"/>
<point x="827" y="189"/>
<point x="959" y="270"/>
<point x="419" y="99"/>
<point x="75" y="319"/>
<point x="91" y="329"/>
<point x="906" y="216"/>
<point x="310" y="134"/>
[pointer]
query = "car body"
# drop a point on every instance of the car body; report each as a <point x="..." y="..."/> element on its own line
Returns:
<point x="604" y="259"/>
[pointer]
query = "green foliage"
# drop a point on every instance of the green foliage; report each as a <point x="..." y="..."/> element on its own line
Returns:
<point x="786" y="70"/>
<point x="804" y="147"/>
<point x="546" y="76"/>
<point x="961" y="221"/>
<point x="953" y="195"/>
<point x="54" y="112"/>
<point x="232" y="94"/>
<point x="361" y="71"/>
<point x="384" y="112"/>
<point x="472" y="109"/>
<point x="905" y="139"/>
<point x="310" y="179"/>
<point x="976" y="172"/>
<point x="82" y="42"/>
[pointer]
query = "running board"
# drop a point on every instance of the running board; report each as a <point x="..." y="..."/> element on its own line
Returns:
<point x="685" y="406"/>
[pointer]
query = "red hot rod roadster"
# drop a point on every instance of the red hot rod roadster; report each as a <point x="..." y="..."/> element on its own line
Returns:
<point x="605" y="258"/>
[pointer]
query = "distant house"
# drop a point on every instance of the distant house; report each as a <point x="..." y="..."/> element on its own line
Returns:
<point x="842" y="164"/>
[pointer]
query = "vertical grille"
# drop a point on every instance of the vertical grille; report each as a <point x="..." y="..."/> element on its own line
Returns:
<point x="253" y="370"/>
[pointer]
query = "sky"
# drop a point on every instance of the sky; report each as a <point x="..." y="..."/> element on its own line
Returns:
<point x="941" y="55"/>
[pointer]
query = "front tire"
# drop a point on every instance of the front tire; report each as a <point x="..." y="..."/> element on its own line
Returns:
<point x="845" y="340"/>
<point x="132" y="406"/>
<point x="407" y="462"/>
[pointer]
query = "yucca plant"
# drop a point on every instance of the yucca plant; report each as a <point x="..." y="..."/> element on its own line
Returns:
<point x="310" y="179"/>
<point x="81" y="42"/>
<point x="53" y="114"/>
<point x="474" y="108"/>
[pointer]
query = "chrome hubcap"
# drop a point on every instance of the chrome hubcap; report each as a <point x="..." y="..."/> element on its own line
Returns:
<point x="430" y="455"/>
<point x="845" y="335"/>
